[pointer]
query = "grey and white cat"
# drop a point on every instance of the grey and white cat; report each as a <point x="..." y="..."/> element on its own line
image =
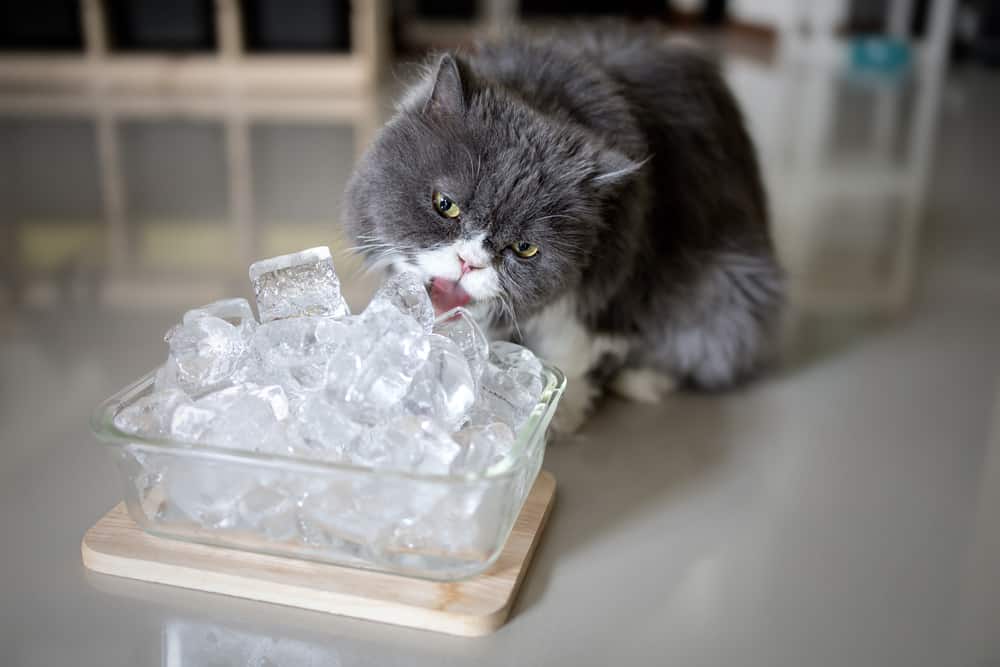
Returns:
<point x="595" y="196"/>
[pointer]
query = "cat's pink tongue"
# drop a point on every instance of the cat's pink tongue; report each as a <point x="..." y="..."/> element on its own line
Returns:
<point x="447" y="294"/>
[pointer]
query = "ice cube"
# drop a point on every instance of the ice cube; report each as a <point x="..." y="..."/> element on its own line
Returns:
<point x="449" y="527"/>
<point x="298" y="337"/>
<point x="235" y="311"/>
<point x="271" y="396"/>
<point x="409" y="534"/>
<point x="189" y="422"/>
<point x="207" y="491"/>
<point x="166" y="376"/>
<point x="246" y="416"/>
<point x="443" y="521"/>
<point x="342" y="373"/>
<point x="459" y="326"/>
<point x="269" y="511"/>
<point x="359" y="509"/>
<point x="206" y="352"/>
<point x="513" y="382"/>
<point x="409" y="443"/>
<point x="508" y="355"/>
<point x="352" y="510"/>
<point x="392" y="330"/>
<point x="381" y="386"/>
<point x="150" y="415"/>
<point x="406" y="293"/>
<point x="483" y="447"/>
<point x="510" y="394"/>
<point x="373" y="376"/>
<point x="443" y="388"/>
<point x="324" y="431"/>
<point x="296" y="352"/>
<point x="145" y="468"/>
<point x="303" y="283"/>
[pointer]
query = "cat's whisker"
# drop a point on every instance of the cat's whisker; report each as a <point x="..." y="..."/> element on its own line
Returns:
<point x="472" y="162"/>
<point x="370" y="254"/>
<point x="375" y="267"/>
<point x="371" y="238"/>
<point x="374" y="250"/>
<point x="496" y="313"/>
<point x="380" y="261"/>
<point x="381" y="254"/>
<point x="509" y="308"/>
<point x="371" y="247"/>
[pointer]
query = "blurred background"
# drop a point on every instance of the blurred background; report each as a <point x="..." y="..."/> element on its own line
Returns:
<point x="151" y="149"/>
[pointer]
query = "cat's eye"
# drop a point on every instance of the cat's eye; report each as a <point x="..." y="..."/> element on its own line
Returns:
<point x="524" y="249"/>
<point x="445" y="206"/>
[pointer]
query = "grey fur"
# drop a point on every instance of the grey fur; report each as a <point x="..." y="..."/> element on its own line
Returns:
<point x="625" y="160"/>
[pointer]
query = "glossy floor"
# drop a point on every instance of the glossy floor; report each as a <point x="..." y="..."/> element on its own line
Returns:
<point x="843" y="511"/>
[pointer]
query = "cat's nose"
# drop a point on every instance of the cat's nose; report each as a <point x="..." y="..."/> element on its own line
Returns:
<point x="467" y="265"/>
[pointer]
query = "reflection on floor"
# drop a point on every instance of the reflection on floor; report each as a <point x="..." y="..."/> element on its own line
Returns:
<point x="146" y="198"/>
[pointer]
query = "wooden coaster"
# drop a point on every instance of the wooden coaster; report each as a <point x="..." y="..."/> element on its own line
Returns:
<point x="476" y="606"/>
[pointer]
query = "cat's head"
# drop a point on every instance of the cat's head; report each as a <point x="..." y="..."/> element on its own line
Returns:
<point x="487" y="200"/>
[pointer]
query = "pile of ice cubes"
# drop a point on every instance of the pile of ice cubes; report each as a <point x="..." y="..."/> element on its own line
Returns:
<point x="391" y="388"/>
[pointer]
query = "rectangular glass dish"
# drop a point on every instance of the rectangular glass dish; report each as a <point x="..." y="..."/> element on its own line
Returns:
<point x="441" y="527"/>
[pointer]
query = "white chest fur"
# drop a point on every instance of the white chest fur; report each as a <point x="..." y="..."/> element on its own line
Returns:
<point x="557" y="335"/>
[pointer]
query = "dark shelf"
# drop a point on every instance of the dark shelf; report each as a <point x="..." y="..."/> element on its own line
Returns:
<point x="447" y="9"/>
<point x="161" y="25"/>
<point x="40" y="25"/>
<point x="308" y="26"/>
<point x="629" y="8"/>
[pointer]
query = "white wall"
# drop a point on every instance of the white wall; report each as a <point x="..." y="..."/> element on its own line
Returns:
<point x="765" y="12"/>
<point x="823" y="15"/>
<point x="781" y="14"/>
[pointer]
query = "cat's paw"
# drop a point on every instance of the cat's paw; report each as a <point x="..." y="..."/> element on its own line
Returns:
<point x="643" y="385"/>
<point x="574" y="407"/>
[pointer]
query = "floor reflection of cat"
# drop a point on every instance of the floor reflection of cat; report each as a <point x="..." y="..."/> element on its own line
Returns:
<point x="188" y="644"/>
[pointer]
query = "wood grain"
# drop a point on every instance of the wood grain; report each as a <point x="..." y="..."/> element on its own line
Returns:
<point x="477" y="606"/>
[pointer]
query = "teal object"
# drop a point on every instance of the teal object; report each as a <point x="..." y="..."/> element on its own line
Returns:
<point x="879" y="53"/>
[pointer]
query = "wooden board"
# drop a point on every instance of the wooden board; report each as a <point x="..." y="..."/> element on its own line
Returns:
<point x="476" y="606"/>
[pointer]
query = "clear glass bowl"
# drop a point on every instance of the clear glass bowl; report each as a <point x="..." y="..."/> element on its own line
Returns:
<point x="432" y="526"/>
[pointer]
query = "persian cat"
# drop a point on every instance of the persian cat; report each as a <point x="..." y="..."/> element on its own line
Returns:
<point x="595" y="196"/>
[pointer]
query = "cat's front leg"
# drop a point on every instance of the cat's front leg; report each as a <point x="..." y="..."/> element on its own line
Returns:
<point x="576" y="405"/>
<point x="643" y="385"/>
<point x="557" y="335"/>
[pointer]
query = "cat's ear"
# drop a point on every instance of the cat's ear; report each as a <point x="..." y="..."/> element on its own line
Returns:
<point x="448" y="92"/>
<point x="615" y="169"/>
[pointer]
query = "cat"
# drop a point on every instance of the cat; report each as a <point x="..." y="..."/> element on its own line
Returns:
<point x="596" y="197"/>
